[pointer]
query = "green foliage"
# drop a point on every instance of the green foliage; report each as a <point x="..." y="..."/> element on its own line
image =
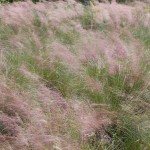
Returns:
<point x="124" y="1"/>
<point x="6" y="31"/>
<point x="143" y="34"/>
<point x="93" y="145"/>
<point x="6" y="1"/>
<point x="58" y="77"/>
<point x="125" y="134"/>
<point x="111" y="83"/>
<point x="40" y="29"/>
<point x="87" y="20"/>
<point x="114" y="85"/>
<point x="104" y="27"/>
<point x="85" y="2"/>
<point x="35" y="1"/>
<point x="14" y="62"/>
<point x="70" y="37"/>
<point x="11" y="1"/>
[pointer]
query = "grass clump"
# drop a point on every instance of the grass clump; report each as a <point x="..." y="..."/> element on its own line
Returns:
<point x="68" y="38"/>
<point x="14" y="62"/>
<point x="111" y="85"/>
<point x="88" y="19"/>
<point x="114" y="86"/>
<point x="11" y="1"/>
<point x="56" y="77"/>
<point x="124" y="1"/>
<point x="125" y="135"/>
<point x="143" y="34"/>
<point x="6" y="31"/>
<point x="118" y="90"/>
<point x="6" y="1"/>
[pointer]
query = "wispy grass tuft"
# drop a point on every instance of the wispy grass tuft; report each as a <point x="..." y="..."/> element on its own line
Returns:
<point x="125" y="134"/>
<point x="12" y="72"/>
<point x="43" y="51"/>
<point x="143" y="34"/>
<point x="69" y="38"/>
<point x="88" y="19"/>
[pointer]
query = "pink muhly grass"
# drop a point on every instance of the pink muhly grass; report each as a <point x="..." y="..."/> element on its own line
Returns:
<point x="39" y="142"/>
<point x="28" y="74"/>
<point x="94" y="85"/>
<point x="51" y="98"/>
<point x="88" y="119"/>
<point x="119" y="12"/>
<point x="91" y="49"/>
<point x="88" y="56"/>
<point x="9" y="126"/>
<point x="62" y="53"/>
<point x="114" y="13"/>
<point x="12" y="104"/>
<point x="120" y="47"/>
<point x="62" y="12"/>
<point x="48" y="121"/>
<point x="17" y="13"/>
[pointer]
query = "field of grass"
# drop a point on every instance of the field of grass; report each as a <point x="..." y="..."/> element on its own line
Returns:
<point x="74" y="77"/>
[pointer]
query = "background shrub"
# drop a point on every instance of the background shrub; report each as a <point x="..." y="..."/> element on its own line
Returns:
<point x="11" y="1"/>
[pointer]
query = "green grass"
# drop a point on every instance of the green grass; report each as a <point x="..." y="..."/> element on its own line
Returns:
<point x="112" y="85"/>
<point x="41" y="29"/>
<point x="125" y="134"/>
<point x="59" y="77"/>
<point x="6" y="31"/>
<point x="125" y="37"/>
<point x="143" y="34"/>
<point x="115" y="86"/>
<point x="88" y="19"/>
<point x="11" y="1"/>
<point x="68" y="38"/>
<point x="124" y="1"/>
<point x="104" y="27"/>
<point x="14" y="62"/>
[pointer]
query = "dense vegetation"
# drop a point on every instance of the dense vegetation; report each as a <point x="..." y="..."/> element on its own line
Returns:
<point x="85" y="2"/>
<point x="78" y="80"/>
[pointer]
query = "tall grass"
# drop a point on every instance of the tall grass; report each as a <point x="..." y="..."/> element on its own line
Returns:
<point x="143" y="34"/>
<point x="92" y="81"/>
<point x="69" y="37"/>
<point x="11" y="1"/>
<point x="124" y="1"/>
